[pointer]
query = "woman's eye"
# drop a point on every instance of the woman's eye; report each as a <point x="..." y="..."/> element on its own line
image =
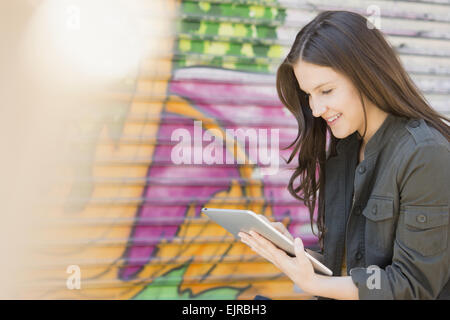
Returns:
<point x="327" y="92"/>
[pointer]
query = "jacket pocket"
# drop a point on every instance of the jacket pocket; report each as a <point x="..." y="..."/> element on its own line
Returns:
<point x="380" y="229"/>
<point x="425" y="228"/>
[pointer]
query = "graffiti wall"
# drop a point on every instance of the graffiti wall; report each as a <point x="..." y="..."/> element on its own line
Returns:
<point x="133" y="212"/>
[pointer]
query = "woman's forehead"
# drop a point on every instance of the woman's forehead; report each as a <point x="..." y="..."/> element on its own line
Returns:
<point x="310" y="76"/>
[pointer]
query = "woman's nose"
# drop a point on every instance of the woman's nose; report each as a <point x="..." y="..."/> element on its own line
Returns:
<point x="318" y="110"/>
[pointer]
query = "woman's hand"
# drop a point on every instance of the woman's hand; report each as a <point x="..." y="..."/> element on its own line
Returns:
<point x="280" y="227"/>
<point x="299" y="269"/>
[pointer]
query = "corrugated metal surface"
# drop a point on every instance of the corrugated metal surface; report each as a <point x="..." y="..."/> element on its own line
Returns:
<point x="134" y="216"/>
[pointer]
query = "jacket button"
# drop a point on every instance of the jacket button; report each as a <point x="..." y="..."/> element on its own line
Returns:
<point x="421" y="218"/>
<point x="362" y="169"/>
<point x="414" y="124"/>
<point x="358" y="255"/>
<point x="374" y="209"/>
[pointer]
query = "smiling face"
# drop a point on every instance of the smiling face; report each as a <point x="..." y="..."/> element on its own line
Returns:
<point x="332" y="94"/>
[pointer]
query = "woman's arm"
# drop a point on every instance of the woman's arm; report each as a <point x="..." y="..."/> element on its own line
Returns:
<point x="341" y="288"/>
<point x="300" y="270"/>
<point x="420" y="265"/>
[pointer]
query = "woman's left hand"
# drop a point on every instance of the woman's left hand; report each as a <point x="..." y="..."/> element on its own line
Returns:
<point x="299" y="269"/>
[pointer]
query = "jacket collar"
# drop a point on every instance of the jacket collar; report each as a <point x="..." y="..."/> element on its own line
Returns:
<point x="376" y="142"/>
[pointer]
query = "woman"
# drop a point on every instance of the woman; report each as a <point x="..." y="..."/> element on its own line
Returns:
<point x="383" y="178"/>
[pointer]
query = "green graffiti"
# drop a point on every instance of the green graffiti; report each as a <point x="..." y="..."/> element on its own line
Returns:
<point x="205" y="6"/>
<point x="219" y="62"/>
<point x="168" y="287"/>
<point x="210" y="34"/>
<point x="239" y="10"/>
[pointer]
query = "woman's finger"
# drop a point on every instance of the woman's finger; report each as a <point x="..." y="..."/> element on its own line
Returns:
<point x="269" y="247"/>
<point x="248" y="240"/>
<point x="252" y="240"/>
<point x="281" y="227"/>
<point x="300" y="252"/>
<point x="254" y="246"/>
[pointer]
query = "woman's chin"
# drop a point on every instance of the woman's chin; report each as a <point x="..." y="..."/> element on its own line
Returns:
<point x="340" y="134"/>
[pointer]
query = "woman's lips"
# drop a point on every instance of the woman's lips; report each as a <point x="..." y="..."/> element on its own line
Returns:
<point x="335" y="119"/>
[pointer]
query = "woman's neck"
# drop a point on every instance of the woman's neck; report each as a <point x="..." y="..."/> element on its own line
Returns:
<point x="375" y="119"/>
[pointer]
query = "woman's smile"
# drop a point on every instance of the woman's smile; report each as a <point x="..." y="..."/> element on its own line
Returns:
<point x="332" y="120"/>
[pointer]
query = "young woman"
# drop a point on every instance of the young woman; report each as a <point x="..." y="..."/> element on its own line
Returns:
<point x="384" y="177"/>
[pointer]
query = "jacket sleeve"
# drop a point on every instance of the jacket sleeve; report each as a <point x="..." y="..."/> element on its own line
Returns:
<point x="421" y="255"/>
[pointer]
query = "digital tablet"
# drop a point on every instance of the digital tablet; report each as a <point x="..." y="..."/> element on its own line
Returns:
<point x="235" y="221"/>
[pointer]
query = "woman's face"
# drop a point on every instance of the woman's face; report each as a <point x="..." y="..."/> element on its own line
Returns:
<point x="332" y="94"/>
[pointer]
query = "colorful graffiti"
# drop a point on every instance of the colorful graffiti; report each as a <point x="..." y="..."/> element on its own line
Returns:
<point x="136" y="215"/>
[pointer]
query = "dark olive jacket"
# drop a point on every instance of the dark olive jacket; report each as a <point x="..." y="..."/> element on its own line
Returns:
<point x="391" y="211"/>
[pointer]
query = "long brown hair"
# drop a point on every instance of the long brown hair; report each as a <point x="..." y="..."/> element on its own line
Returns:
<point x="343" y="41"/>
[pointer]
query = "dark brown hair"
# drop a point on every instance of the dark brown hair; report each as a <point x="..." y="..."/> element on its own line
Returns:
<point x="349" y="44"/>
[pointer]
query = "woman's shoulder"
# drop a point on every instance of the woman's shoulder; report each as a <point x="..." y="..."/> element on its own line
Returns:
<point x="421" y="145"/>
<point x="417" y="134"/>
